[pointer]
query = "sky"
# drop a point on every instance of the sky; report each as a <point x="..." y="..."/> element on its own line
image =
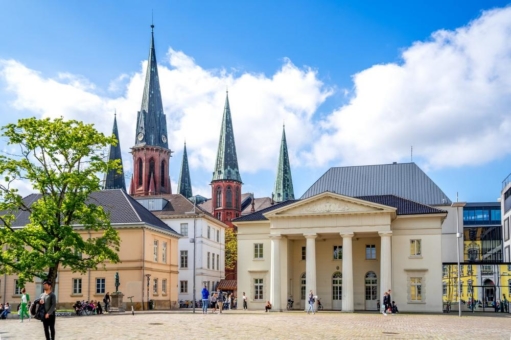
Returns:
<point x="354" y="82"/>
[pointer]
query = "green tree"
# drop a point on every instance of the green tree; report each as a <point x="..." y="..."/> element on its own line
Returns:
<point x="231" y="248"/>
<point x="61" y="160"/>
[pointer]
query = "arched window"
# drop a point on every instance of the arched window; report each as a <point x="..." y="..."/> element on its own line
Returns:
<point x="303" y="286"/>
<point x="151" y="171"/>
<point x="162" y="174"/>
<point x="218" y="197"/>
<point x="140" y="171"/>
<point x="238" y="199"/>
<point x="228" y="197"/>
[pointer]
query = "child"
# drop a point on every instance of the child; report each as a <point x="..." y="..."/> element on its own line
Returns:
<point x="394" y="308"/>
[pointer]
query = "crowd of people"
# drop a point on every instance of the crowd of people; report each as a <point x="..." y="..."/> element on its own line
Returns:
<point x="218" y="301"/>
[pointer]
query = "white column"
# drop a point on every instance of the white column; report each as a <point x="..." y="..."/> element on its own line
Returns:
<point x="385" y="263"/>
<point x="347" y="273"/>
<point x="275" y="273"/>
<point x="310" y="267"/>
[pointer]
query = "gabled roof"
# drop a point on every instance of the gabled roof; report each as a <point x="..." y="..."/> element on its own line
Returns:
<point x="283" y="189"/>
<point x="113" y="178"/>
<point x="226" y="167"/>
<point x="404" y="180"/>
<point x="123" y="209"/>
<point x="246" y="203"/>
<point x="151" y="122"/>
<point x="403" y="207"/>
<point x="184" y="185"/>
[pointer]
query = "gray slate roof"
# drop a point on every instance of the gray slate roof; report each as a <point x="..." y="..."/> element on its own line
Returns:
<point x="123" y="209"/>
<point x="405" y="180"/>
<point x="403" y="206"/>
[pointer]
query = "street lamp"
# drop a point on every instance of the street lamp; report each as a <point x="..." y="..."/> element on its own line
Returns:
<point x="148" y="278"/>
<point x="458" y="205"/>
<point x="194" y="241"/>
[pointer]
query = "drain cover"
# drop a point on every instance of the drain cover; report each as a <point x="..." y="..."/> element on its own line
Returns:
<point x="156" y="324"/>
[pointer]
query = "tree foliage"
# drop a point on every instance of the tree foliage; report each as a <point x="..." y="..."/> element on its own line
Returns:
<point x="61" y="160"/>
<point x="231" y="248"/>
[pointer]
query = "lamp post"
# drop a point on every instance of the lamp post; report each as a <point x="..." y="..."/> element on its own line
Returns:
<point x="194" y="241"/>
<point x="148" y="278"/>
<point x="458" y="205"/>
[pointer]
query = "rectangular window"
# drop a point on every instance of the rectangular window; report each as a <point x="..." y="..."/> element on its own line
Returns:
<point x="17" y="289"/>
<point x="155" y="250"/>
<point x="184" y="258"/>
<point x="416" y="288"/>
<point x="155" y="287"/>
<point x="209" y="255"/>
<point x="212" y="261"/>
<point x="77" y="286"/>
<point x="217" y="261"/>
<point x="164" y="252"/>
<point x="415" y="248"/>
<point x="258" y="250"/>
<point x="506" y="229"/>
<point x="209" y="232"/>
<point x="444" y="288"/>
<point x="337" y="252"/>
<point x="445" y="270"/>
<point x="183" y="286"/>
<point x="370" y="252"/>
<point x="100" y="286"/>
<point x="304" y="253"/>
<point x="184" y="229"/>
<point x="218" y="235"/>
<point x="258" y="289"/>
<point x="164" y="286"/>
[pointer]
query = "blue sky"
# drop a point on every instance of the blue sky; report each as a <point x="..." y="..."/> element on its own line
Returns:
<point x="356" y="82"/>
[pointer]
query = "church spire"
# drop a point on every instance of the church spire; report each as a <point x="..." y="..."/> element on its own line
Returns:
<point x="226" y="160"/>
<point x="283" y="190"/>
<point x="114" y="179"/>
<point x="151" y="121"/>
<point x="185" y="184"/>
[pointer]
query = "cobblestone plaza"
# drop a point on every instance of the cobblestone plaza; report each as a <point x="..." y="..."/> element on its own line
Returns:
<point x="261" y="325"/>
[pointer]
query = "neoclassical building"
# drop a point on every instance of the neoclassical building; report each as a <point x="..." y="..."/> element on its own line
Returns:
<point x="347" y="250"/>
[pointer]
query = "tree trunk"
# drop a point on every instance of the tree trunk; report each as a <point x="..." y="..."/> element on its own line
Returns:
<point x="52" y="275"/>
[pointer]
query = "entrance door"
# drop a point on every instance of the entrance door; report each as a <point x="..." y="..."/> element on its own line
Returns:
<point x="337" y="291"/>
<point x="489" y="293"/>
<point x="371" y="291"/>
<point x="303" y="287"/>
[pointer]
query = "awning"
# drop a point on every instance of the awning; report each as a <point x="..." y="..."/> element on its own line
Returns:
<point x="228" y="285"/>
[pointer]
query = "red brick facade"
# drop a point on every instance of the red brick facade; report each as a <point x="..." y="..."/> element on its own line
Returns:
<point x="226" y="196"/>
<point x="150" y="171"/>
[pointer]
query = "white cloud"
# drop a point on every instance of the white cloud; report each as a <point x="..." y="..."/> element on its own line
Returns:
<point x="193" y="100"/>
<point x="449" y="98"/>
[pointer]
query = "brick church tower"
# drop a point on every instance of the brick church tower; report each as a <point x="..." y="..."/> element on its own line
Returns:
<point x="151" y="153"/>
<point x="226" y="183"/>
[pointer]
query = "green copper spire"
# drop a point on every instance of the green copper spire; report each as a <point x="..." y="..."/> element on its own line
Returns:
<point x="184" y="185"/>
<point x="113" y="179"/>
<point x="283" y="190"/>
<point x="226" y="160"/>
<point x="151" y="121"/>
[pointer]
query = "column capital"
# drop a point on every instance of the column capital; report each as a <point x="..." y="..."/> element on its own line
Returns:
<point x="275" y="237"/>
<point x="311" y="236"/>
<point x="385" y="233"/>
<point x="347" y="235"/>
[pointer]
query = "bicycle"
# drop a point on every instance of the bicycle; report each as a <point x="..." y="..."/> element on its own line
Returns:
<point x="131" y="301"/>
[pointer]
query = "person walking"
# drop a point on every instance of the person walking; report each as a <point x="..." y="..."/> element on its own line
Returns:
<point x="213" y="302"/>
<point x="49" y="300"/>
<point x="205" y="299"/>
<point x="386" y="299"/>
<point x="106" y="301"/>
<point x="312" y="300"/>
<point x="220" y="300"/>
<point x="245" y="307"/>
<point x="23" y="312"/>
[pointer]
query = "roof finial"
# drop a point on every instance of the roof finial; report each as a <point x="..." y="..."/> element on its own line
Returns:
<point x="115" y="113"/>
<point x="152" y="21"/>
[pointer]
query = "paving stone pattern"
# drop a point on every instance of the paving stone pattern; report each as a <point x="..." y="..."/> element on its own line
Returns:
<point x="260" y="325"/>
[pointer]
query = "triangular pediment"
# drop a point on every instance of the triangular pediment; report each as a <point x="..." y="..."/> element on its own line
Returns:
<point x="329" y="204"/>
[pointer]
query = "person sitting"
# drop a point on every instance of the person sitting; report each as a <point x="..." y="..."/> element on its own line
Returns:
<point x="394" y="308"/>
<point x="6" y="311"/>
<point x="267" y="307"/>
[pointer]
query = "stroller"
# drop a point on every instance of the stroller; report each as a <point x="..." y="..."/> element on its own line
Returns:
<point x="320" y="306"/>
<point x="290" y="304"/>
